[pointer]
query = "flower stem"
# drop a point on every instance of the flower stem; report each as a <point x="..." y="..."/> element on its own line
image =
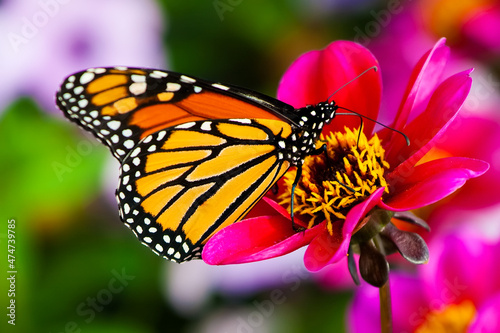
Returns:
<point x="385" y="308"/>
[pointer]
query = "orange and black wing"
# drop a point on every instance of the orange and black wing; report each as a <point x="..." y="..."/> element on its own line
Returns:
<point x="195" y="155"/>
<point x="181" y="185"/>
<point x="121" y="106"/>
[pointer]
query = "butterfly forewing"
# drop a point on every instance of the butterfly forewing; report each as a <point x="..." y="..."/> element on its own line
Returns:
<point x="121" y="106"/>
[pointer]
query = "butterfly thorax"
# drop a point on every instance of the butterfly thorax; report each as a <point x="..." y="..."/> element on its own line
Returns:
<point x="311" y="119"/>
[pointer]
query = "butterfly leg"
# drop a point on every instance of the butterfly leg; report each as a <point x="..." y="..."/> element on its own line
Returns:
<point x="317" y="151"/>
<point x="295" y="182"/>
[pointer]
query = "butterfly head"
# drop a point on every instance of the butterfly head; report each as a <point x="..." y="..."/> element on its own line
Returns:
<point x="312" y="119"/>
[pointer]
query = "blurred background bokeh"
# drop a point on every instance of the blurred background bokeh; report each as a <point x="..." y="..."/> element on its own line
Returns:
<point x="80" y="270"/>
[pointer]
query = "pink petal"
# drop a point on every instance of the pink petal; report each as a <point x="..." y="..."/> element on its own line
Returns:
<point x="324" y="247"/>
<point x="423" y="80"/>
<point x="316" y="75"/>
<point x="256" y="239"/>
<point x="488" y="317"/>
<point x="430" y="182"/>
<point x="283" y="212"/>
<point x="429" y="126"/>
<point x="358" y="212"/>
<point x="445" y="277"/>
<point x="328" y="249"/>
<point x="336" y="277"/>
<point x="476" y="138"/>
<point x="482" y="28"/>
<point x="263" y="208"/>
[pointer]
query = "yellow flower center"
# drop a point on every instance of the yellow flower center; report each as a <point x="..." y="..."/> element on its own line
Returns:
<point x="454" y="318"/>
<point x="350" y="170"/>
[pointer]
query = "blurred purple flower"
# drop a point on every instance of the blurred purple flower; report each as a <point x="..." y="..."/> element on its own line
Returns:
<point x="46" y="40"/>
<point x="459" y="288"/>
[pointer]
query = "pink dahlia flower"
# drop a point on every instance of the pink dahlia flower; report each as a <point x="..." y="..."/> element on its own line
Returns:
<point x="445" y="295"/>
<point x="379" y="165"/>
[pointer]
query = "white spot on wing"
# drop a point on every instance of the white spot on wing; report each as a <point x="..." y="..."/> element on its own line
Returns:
<point x="186" y="125"/>
<point x="172" y="86"/>
<point x="136" y="150"/>
<point x="127" y="132"/>
<point x="220" y="86"/>
<point x="78" y="90"/>
<point x="241" y="121"/>
<point x="129" y="144"/>
<point x="86" y="77"/>
<point x="161" y="135"/>
<point x="114" y="124"/>
<point x="158" y="74"/>
<point x="138" y="88"/>
<point x="138" y="78"/>
<point x="206" y="126"/>
<point x="187" y="79"/>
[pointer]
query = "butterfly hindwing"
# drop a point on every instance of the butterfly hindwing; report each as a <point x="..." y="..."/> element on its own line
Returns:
<point x="180" y="185"/>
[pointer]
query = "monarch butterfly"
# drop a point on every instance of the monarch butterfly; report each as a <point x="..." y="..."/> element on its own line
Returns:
<point x="195" y="155"/>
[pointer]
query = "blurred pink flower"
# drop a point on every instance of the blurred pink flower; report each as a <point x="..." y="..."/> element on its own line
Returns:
<point x="459" y="288"/>
<point x="398" y="47"/>
<point x="428" y="107"/>
<point x="471" y="26"/>
<point x="475" y="131"/>
<point x="44" y="41"/>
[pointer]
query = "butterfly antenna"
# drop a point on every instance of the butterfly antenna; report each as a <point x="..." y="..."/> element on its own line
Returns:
<point x="375" y="121"/>
<point x="357" y="77"/>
